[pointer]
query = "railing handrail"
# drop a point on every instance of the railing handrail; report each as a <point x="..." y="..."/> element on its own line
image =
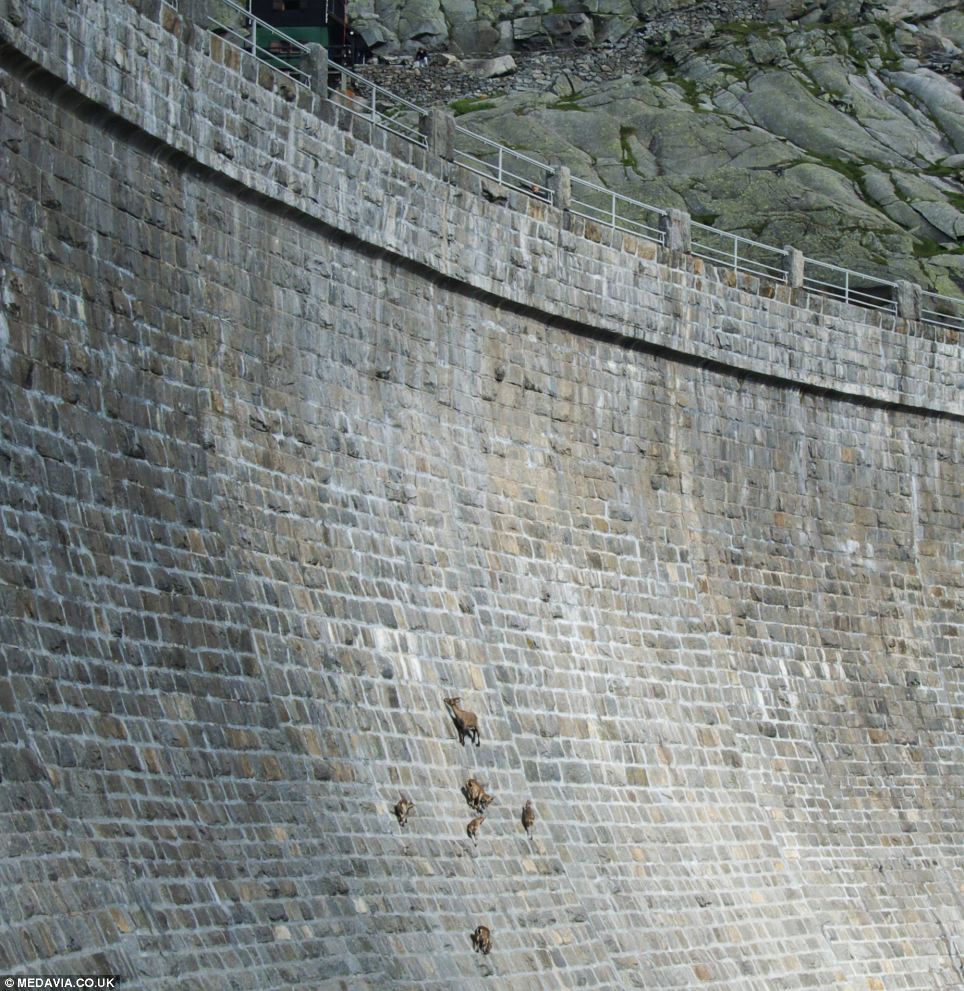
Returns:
<point x="391" y="97"/>
<point x="954" y="322"/>
<point x="741" y="239"/>
<point x="501" y="171"/>
<point x="937" y="295"/>
<point x="731" y="258"/>
<point x="303" y="49"/>
<point x="852" y="272"/>
<point x="547" y="169"/>
<point x="578" y="180"/>
<point x="244" y="39"/>
<point x="861" y="294"/>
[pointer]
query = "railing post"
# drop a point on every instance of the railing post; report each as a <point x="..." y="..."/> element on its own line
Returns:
<point x="499" y="178"/>
<point x="438" y="129"/>
<point x="561" y="185"/>
<point x="677" y="228"/>
<point x="793" y="267"/>
<point x="316" y="69"/>
<point x="908" y="300"/>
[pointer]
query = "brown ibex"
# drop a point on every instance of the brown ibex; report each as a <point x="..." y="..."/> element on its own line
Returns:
<point x="473" y="829"/>
<point x="482" y="940"/>
<point x="467" y="723"/>
<point x="473" y="790"/>
<point x="484" y="801"/>
<point x="528" y="817"/>
<point x="402" y="809"/>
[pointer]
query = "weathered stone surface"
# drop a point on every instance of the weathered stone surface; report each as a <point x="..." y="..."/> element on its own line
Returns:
<point x="489" y="68"/>
<point x="297" y="437"/>
<point x="941" y="98"/>
<point x="475" y="38"/>
<point x="945" y="218"/>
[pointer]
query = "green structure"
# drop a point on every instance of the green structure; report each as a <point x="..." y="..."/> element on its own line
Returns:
<point x="320" y="22"/>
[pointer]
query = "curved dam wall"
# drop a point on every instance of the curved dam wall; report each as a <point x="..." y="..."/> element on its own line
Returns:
<point x="299" y="434"/>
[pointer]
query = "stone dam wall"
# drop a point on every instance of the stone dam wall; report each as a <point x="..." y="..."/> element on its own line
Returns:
<point x="299" y="434"/>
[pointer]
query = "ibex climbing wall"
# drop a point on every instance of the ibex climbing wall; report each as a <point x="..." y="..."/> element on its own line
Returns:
<point x="299" y="435"/>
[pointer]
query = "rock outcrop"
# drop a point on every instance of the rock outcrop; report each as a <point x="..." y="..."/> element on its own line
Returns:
<point x="838" y="128"/>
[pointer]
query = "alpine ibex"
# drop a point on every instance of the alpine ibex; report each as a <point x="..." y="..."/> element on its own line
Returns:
<point x="473" y="790"/>
<point x="467" y="723"/>
<point x="482" y="940"/>
<point x="473" y="829"/>
<point x="484" y="801"/>
<point x="528" y="817"/>
<point x="402" y="809"/>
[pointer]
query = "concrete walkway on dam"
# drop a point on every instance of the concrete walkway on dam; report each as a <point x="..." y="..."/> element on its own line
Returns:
<point x="300" y="435"/>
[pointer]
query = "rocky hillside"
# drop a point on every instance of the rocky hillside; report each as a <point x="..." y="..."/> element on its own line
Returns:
<point x="836" y="127"/>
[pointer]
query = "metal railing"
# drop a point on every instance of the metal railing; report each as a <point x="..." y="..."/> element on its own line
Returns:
<point x="945" y="311"/>
<point x="739" y="253"/>
<point x="614" y="210"/>
<point x="502" y="165"/>
<point x="365" y="99"/>
<point x="356" y="94"/>
<point x="281" y="51"/>
<point x="849" y="286"/>
<point x="513" y="169"/>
